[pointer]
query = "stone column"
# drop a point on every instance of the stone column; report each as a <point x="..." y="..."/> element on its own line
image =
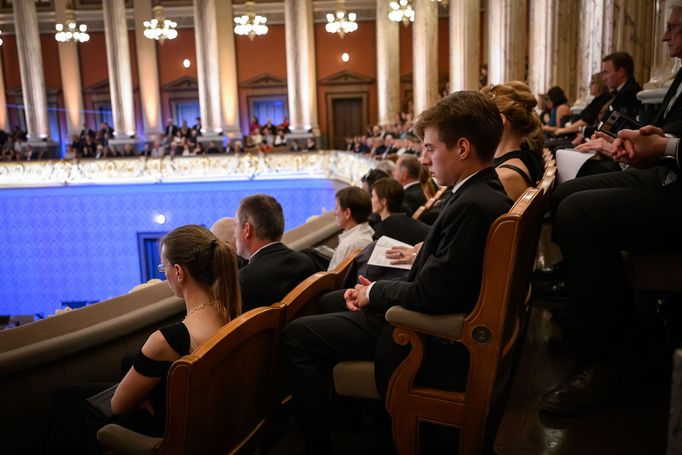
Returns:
<point x="633" y="26"/>
<point x="551" y="47"/>
<point x="148" y="72"/>
<point x="301" y="80"/>
<point x="118" y="60"/>
<point x="425" y="54"/>
<point x="388" y="64"/>
<point x="541" y="44"/>
<point x="69" y="66"/>
<point x="4" y="118"/>
<point x="31" y="69"/>
<point x="464" y="44"/>
<point x="206" y="35"/>
<point x="227" y="62"/>
<point x="506" y="41"/>
<point x="594" y="42"/>
<point x="565" y="43"/>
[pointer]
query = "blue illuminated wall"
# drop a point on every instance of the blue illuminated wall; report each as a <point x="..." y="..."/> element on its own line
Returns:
<point x="80" y="243"/>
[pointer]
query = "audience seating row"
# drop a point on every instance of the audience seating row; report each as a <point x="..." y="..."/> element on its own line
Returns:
<point x="220" y="397"/>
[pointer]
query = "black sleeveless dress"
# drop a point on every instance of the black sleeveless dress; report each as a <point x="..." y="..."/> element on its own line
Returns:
<point x="178" y="338"/>
<point x="529" y="158"/>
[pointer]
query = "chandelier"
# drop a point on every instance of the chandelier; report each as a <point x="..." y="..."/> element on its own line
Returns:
<point x="160" y="28"/>
<point x="250" y="24"/>
<point x="401" y="11"/>
<point x="70" y="31"/>
<point x="341" y="22"/>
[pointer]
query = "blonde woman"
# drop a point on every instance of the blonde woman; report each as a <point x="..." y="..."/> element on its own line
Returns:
<point x="517" y="158"/>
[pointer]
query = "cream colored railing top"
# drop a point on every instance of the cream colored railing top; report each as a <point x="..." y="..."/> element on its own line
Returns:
<point x="344" y="166"/>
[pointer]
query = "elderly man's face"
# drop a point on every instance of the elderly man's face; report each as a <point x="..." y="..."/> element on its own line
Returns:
<point x="673" y="33"/>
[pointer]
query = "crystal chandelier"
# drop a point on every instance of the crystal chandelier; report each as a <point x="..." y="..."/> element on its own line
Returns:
<point x="70" y="31"/>
<point x="401" y="11"/>
<point x="250" y="24"/>
<point x="341" y="22"/>
<point x="160" y="28"/>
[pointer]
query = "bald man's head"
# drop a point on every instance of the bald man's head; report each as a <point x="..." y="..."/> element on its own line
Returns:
<point x="224" y="230"/>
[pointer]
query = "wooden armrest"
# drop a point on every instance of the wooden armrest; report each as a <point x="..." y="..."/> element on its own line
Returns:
<point x="445" y="326"/>
<point x="122" y="440"/>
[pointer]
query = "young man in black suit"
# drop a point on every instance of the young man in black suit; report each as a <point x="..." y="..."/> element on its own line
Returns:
<point x="460" y="134"/>
<point x="273" y="269"/>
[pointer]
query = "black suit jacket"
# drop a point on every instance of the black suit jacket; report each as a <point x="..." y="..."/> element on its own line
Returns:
<point x="271" y="274"/>
<point x="625" y="100"/>
<point x="446" y="275"/>
<point x="401" y="227"/>
<point x="445" y="278"/>
<point x="414" y="198"/>
<point x="672" y="122"/>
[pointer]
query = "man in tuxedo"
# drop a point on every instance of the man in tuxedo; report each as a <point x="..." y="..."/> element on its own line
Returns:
<point x="406" y="172"/>
<point x="171" y="130"/>
<point x="596" y="217"/>
<point x="460" y="134"/>
<point x="273" y="269"/>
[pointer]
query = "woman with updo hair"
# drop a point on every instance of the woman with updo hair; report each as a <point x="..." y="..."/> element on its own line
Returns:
<point x="518" y="156"/>
<point x="203" y="271"/>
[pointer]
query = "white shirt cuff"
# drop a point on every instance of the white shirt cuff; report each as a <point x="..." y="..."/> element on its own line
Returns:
<point x="369" y="289"/>
<point x="671" y="147"/>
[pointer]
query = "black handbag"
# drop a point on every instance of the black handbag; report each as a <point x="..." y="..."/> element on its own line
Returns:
<point x="100" y="405"/>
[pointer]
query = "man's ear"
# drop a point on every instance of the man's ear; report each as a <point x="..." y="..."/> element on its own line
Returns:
<point x="464" y="148"/>
<point x="248" y="230"/>
<point x="346" y="214"/>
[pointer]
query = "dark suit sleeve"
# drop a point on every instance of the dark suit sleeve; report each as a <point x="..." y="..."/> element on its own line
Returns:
<point x="449" y="280"/>
<point x="246" y="288"/>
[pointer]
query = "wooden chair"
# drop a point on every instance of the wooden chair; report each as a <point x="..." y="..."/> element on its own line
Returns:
<point x="302" y="300"/>
<point x="429" y="203"/>
<point x="489" y="333"/>
<point x="218" y="397"/>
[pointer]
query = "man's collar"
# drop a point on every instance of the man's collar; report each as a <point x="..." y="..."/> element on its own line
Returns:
<point x="407" y="185"/>
<point x="262" y="248"/>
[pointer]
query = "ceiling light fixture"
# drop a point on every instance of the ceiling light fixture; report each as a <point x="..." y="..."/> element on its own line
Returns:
<point x="250" y="24"/>
<point x="70" y="31"/>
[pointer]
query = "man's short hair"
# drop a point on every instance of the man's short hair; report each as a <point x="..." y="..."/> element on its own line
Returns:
<point x="264" y="214"/>
<point x="372" y="176"/>
<point x="621" y="60"/>
<point x="412" y="165"/>
<point x="224" y="229"/>
<point x="357" y="200"/>
<point x="392" y="191"/>
<point x="465" y="114"/>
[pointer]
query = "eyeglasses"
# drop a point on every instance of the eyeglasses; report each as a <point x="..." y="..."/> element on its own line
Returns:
<point x="162" y="267"/>
<point x="670" y="27"/>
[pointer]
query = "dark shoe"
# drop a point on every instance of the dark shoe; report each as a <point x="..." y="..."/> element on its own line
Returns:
<point x="553" y="271"/>
<point x="556" y="346"/>
<point x="556" y="290"/>
<point x="586" y="391"/>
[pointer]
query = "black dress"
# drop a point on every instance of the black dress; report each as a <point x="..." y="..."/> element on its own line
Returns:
<point x="73" y="426"/>
<point x="529" y="159"/>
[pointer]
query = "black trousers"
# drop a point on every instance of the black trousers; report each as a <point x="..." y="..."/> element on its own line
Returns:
<point x="595" y="219"/>
<point x="312" y="346"/>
